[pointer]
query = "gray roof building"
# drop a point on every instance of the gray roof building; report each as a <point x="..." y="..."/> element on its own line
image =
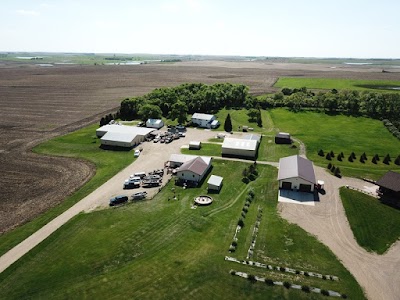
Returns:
<point x="296" y="166"/>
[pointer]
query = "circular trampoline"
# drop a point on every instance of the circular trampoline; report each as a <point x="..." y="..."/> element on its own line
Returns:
<point x="203" y="200"/>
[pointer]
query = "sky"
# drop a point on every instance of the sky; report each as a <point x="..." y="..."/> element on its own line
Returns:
<point x="284" y="28"/>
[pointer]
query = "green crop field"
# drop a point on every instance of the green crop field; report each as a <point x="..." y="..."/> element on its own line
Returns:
<point x="163" y="249"/>
<point x="341" y="133"/>
<point x="82" y="144"/>
<point x="339" y="84"/>
<point x="376" y="226"/>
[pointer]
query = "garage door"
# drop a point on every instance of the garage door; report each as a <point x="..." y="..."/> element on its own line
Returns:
<point x="305" y="188"/>
<point x="286" y="185"/>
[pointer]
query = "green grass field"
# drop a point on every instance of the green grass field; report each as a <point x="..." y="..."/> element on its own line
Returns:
<point x="376" y="226"/>
<point x="240" y="118"/>
<point x="341" y="133"/>
<point x="82" y="144"/>
<point x="162" y="249"/>
<point x="207" y="149"/>
<point x="269" y="151"/>
<point x="336" y="83"/>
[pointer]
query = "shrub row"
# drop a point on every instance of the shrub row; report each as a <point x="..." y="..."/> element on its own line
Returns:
<point x="255" y="231"/>
<point x="392" y="128"/>
<point x="352" y="157"/>
<point x="250" y="173"/>
<point x="270" y="282"/>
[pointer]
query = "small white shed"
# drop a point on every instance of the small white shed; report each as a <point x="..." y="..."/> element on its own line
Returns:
<point x="154" y="123"/>
<point x="194" y="145"/>
<point x="214" y="183"/>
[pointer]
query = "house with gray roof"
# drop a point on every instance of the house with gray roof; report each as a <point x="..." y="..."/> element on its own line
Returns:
<point x="194" y="170"/>
<point x="389" y="186"/>
<point x="296" y="173"/>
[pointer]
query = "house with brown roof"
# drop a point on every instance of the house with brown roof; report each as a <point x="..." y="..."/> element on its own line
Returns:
<point x="389" y="186"/>
<point x="194" y="170"/>
<point x="296" y="173"/>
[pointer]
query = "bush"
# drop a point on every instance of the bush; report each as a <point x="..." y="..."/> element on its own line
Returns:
<point x="325" y="292"/>
<point x="323" y="277"/>
<point x="353" y="155"/>
<point x="397" y="160"/>
<point x="252" y="177"/>
<point x="374" y="160"/>
<point x="282" y="269"/>
<point x="243" y="214"/>
<point x="240" y="222"/>
<point x="297" y="272"/>
<point x="232" y="248"/>
<point x="287" y="285"/>
<point x="232" y="272"/>
<point x="344" y="296"/>
<point x="321" y="153"/>
<point x="351" y="158"/>
<point x="329" y="166"/>
<point x="305" y="288"/>
<point x="328" y="156"/>
<point x="251" y="193"/>
<point x="387" y="159"/>
<point x="234" y="243"/>
<point x="245" y="180"/>
<point x="306" y="274"/>
<point x="251" y="278"/>
<point x="269" y="282"/>
<point x="332" y="154"/>
<point x="339" y="157"/>
<point x="376" y="157"/>
<point x="245" y="209"/>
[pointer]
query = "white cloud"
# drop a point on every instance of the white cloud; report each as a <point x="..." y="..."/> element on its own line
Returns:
<point x="24" y="12"/>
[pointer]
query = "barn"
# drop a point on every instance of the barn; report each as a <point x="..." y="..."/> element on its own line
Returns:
<point x="154" y="123"/>
<point x="194" y="170"/>
<point x="283" y="138"/>
<point x="205" y="120"/>
<point x="122" y="136"/>
<point x="296" y="173"/>
<point x="245" y="148"/>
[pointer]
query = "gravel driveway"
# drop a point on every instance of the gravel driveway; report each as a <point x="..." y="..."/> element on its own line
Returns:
<point x="377" y="274"/>
<point x="153" y="156"/>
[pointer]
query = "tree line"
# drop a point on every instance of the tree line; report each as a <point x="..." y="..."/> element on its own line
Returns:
<point x="176" y="102"/>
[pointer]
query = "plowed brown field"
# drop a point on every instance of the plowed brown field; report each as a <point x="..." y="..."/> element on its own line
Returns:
<point x="38" y="103"/>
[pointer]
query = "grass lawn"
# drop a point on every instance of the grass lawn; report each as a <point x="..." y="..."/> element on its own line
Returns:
<point x="341" y="133"/>
<point x="207" y="149"/>
<point x="376" y="226"/>
<point x="337" y="83"/>
<point x="240" y="118"/>
<point x="162" y="249"/>
<point x="81" y="144"/>
<point x="269" y="151"/>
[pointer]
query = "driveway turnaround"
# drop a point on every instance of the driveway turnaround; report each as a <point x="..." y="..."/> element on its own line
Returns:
<point x="377" y="274"/>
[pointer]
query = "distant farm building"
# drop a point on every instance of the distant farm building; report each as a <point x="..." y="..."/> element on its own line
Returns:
<point x="194" y="170"/>
<point x="122" y="136"/>
<point x="214" y="183"/>
<point x="205" y="120"/>
<point x="194" y="145"/>
<point x="154" y="123"/>
<point x="245" y="148"/>
<point x="389" y="187"/>
<point x="283" y="138"/>
<point x="176" y="160"/>
<point x="296" y="173"/>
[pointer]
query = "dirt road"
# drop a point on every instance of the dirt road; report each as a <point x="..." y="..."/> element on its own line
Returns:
<point x="152" y="157"/>
<point x="377" y="274"/>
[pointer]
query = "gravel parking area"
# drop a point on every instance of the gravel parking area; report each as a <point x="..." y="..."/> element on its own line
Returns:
<point x="153" y="156"/>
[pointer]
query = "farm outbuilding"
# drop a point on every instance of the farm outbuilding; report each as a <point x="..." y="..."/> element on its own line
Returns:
<point x="122" y="136"/>
<point x="194" y="170"/>
<point x="205" y="120"/>
<point x="154" y="123"/>
<point x="296" y="173"/>
<point x="283" y="138"/>
<point x="194" y="145"/>
<point x="214" y="183"/>
<point x="389" y="187"/>
<point x="246" y="148"/>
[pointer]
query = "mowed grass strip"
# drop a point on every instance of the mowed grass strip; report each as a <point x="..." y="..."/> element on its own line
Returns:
<point x="269" y="151"/>
<point x="82" y="144"/>
<point x="340" y="133"/>
<point x="376" y="226"/>
<point x="240" y="118"/>
<point x="336" y="83"/>
<point x="162" y="248"/>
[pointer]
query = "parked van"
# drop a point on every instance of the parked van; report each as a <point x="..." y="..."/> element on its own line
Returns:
<point x="140" y="174"/>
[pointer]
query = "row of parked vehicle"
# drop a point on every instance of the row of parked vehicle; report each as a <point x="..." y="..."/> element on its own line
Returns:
<point x="137" y="180"/>
<point x="123" y="198"/>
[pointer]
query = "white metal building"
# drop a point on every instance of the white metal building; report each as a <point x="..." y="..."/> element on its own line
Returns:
<point x="194" y="145"/>
<point x="194" y="170"/>
<point x="205" y="120"/>
<point x="154" y="123"/>
<point x="214" y="183"/>
<point x="122" y="136"/>
<point x="246" y="148"/>
<point x="296" y="173"/>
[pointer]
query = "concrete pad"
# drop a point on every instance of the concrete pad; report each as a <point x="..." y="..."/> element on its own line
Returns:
<point x="302" y="198"/>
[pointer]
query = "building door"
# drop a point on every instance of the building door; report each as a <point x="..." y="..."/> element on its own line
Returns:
<point x="286" y="185"/>
<point x="305" y="188"/>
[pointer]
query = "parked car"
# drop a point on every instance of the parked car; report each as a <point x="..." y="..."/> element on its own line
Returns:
<point x="137" y="153"/>
<point x="118" y="200"/>
<point x="139" y="195"/>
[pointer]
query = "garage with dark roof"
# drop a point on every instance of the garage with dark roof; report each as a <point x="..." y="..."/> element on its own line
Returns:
<point x="296" y="173"/>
